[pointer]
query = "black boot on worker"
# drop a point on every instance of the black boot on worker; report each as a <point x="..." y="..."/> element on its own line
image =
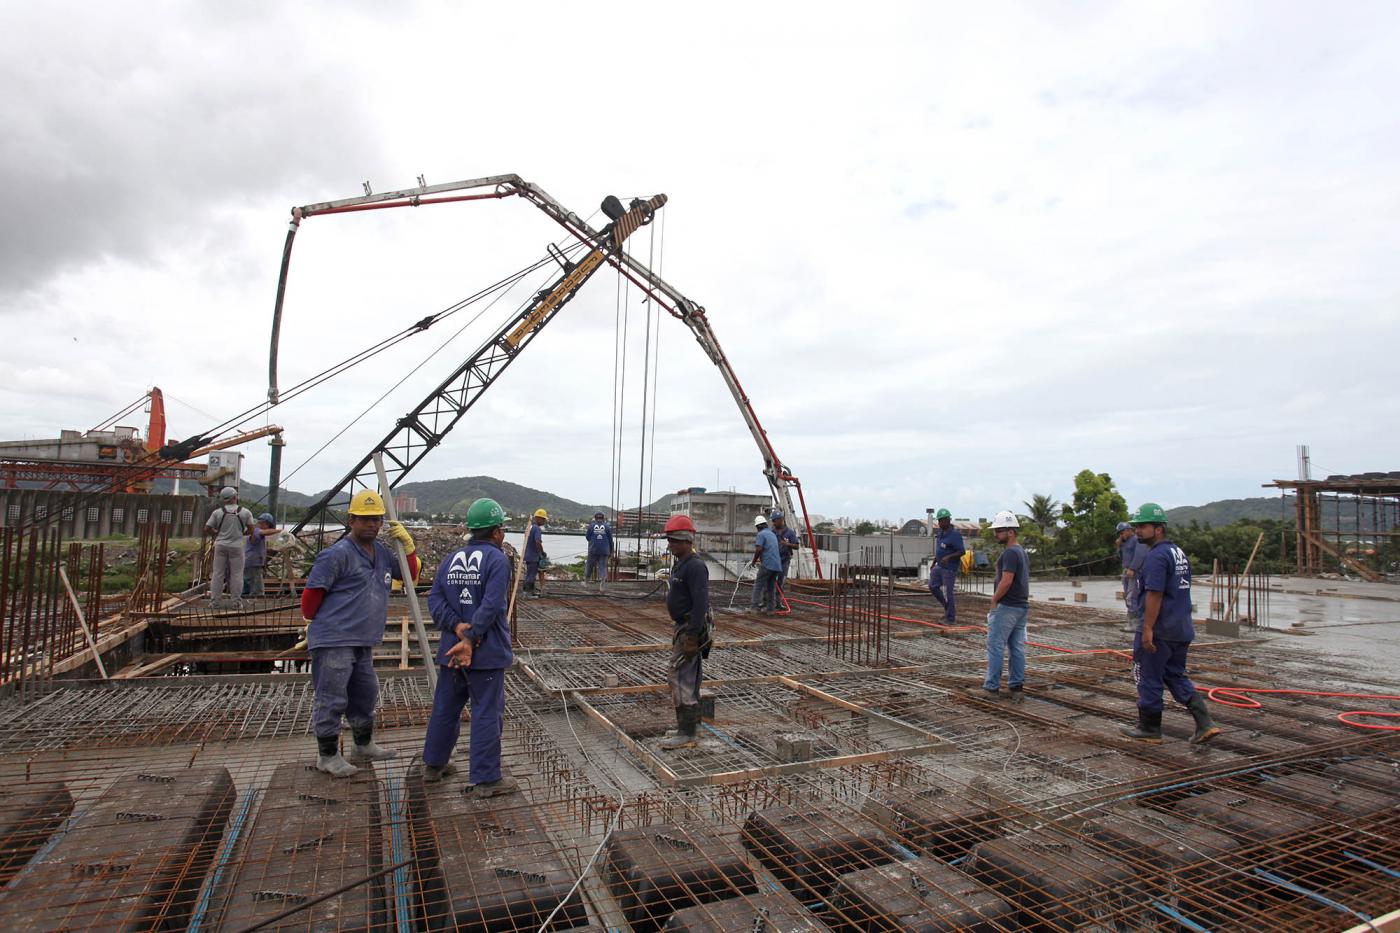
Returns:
<point x="1206" y="729"/>
<point x="687" y="718"/>
<point x="366" y="749"/>
<point x="329" y="760"/>
<point x="1148" y="728"/>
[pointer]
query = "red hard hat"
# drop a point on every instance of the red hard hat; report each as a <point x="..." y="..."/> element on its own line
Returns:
<point x="679" y="523"/>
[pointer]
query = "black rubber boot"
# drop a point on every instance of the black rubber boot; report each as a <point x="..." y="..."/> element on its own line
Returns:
<point x="366" y="749"/>
<point x="1148" y="728"/>
<point x="1018" y="695"/>
<point x="687" y="717"/>
<point x="1206" y="729"/>
<point x="329" y="760"/>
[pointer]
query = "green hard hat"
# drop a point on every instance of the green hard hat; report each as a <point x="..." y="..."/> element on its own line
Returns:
<point x="943" y="513"/>
<point x="485" y="513"/>
<point x="1149" y="513"/>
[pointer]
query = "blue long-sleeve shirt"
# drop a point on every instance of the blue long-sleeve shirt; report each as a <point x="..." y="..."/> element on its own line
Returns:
<point x="472" y="586"/>
<point x="688" y="594"/>
<point x="600" y="539"/>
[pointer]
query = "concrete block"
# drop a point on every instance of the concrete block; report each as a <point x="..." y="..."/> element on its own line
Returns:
<point x="774" y="910"/>
<point x="656" y="870"/>
<point x="806" y="848"/>
<point x="1081" y="597"/>
<point x="29" y="815"/>
<point x="1230" y="629"/>
<point x="942" y="822"/>
<point x="794" y="746"/>
<point x="923" y="894"/>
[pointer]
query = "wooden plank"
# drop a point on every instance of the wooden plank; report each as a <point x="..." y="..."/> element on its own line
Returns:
<point x="1390" y="923"/>
<point x="816" y="764"/>
<point x="1366" y="573"/>
<point x="631" y="744"/>
<point x="87" y="632"/>
<point x="862" y="710"/>
<point x="141" y="670"/>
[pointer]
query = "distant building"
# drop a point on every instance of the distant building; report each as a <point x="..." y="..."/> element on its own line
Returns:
<point x="404" y="503"/>
<point x="725" y="519"/>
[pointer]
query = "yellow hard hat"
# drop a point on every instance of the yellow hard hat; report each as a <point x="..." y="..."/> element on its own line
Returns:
<point x="366" y="502"/>
<point x="541" y="513"/>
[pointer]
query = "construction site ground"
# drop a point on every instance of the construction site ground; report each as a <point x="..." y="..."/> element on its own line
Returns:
<point x="887" y="793"/>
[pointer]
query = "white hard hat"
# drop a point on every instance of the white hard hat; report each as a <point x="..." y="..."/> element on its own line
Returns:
<point x="228" y="492"/>
<point x="759" y="521"/>
<point x="1004" y="519"/>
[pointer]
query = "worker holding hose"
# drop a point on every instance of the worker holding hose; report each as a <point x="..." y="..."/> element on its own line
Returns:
<point x="788" y="543"/>
<point x="345" y="605"/>
<point x="469" y="602"/>
<point x="688" y="605"/>
<point x="1161" y="642"/>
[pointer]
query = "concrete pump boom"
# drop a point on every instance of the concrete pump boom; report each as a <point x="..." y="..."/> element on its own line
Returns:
<point x="466" y="384"/>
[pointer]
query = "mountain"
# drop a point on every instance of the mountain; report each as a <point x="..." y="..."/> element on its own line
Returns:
<point x="1225" y="511"/>
<point x="455" y="495"/>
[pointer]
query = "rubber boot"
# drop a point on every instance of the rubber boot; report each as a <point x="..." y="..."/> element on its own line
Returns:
<point x="687" y="717"/>
<point x="1018" y="695"/>
<point x="329" y="759"/>
<point x="366" y="749"/>
<point x="1148" y="728"/>
<point x="432" y="773"/>
<point x="494" y="788"/>
<point x="1206" y="729"/>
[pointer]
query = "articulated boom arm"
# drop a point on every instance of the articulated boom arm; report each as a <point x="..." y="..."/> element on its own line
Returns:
<point x="423" y="429"/>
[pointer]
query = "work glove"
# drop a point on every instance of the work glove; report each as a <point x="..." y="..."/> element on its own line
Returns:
<point x="400" y="534"/>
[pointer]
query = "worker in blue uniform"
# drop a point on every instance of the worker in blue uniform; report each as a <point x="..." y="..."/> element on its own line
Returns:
<point x="534" y="550"/>
<point x="345" y="605"/>
<point x="600" y="545"/>
<point x="469" y="602"/>
<point x="769" y="563"/>
<point x="1132" y="555"/>
<point x="688" y="605"/>
<point x="1160" y="644"/>
<point x="948" y="550"/>
<point x="788" y="543"/>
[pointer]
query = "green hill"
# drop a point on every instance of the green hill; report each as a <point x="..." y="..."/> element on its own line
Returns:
<point x="455" y="495"/>
<point x="1226" y="511"/>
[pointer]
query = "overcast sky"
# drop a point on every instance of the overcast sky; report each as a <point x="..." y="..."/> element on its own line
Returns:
<point x="955" y="257"/>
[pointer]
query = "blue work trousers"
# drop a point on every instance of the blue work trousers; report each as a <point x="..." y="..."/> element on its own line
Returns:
<point x="1006" y="635"/>
<point x="942" y="582"/>
<point x="345" y="684"/>
<point x="1131" y="600"/>
<point x="1164" y="667"/>
<point x="764" y="585"/>
<point x="486" y="691"/>
<point x="532" y="569"/>
<point x="596" y="568"/>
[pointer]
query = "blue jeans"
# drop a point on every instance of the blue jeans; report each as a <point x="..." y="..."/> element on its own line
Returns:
<point x="345" y="685"/>
<point x="763" y="589"/>
<point x="942" y="581"/>
<point x="1006" y="634"/>
<point x="1164" y="667"/>
<point x="487" y="692"/>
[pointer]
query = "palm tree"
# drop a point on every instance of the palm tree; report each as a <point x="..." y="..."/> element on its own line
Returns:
<point x="1044" y="511"/>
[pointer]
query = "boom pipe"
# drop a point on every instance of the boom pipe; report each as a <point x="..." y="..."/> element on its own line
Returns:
<point x="422" y="429"/>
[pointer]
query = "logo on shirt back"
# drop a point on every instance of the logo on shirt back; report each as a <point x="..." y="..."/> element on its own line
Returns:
<point x="1182" y="565"/>
<point x="464" y="568"/>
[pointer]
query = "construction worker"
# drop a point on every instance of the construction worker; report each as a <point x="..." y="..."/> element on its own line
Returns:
<point x="948" y="550"/>
<point x="688" y="604"/>
<point x="255" y="554"/>
<point x="769" y="563"/>
<point x="788" y="543"/>
<point x="1132" y="555"/>
<point x="600" y="545"/>
<point x="469" y="601"/>
<point x="1160" y="644"/>
<point x="345" y="605"/>
<point x="1006" y="622"/>
<point x="228" y="525"/>
<point x="534" y="550"/>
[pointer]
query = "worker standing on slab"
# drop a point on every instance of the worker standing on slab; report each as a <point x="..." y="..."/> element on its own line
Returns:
<point x="948" y="550"/>
<point x="1165" y="633"/>
<point x="1131" y="554"/>
<point x="255" y="554"/>
<point x="345" y="605"/>
<point x="769" y="563"/>
<point x="1006" y="622"/>
<point x="469" y="602"/>
<point x="600" y="544"/>
<point x="688" y="604"/>
<point x="534" y="550"/>
<point x="229" y="524"/>
<point x="788" y="543"/>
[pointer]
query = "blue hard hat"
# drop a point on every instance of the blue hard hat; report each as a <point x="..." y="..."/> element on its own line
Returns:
<point x="775" y="515"/>
<point x="1122" y="527"/>
<point x="267" y="518"/>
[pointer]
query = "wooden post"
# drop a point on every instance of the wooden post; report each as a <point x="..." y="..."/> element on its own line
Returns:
<point x="87" y="632"/>
<point x="414" y="610"/>
<point x="1235" y="596"/>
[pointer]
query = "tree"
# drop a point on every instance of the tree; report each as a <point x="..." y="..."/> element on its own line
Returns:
<point x="1044" y="511"/>
<point x="864" y="527"/>
<point x="1087" y="544"/>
